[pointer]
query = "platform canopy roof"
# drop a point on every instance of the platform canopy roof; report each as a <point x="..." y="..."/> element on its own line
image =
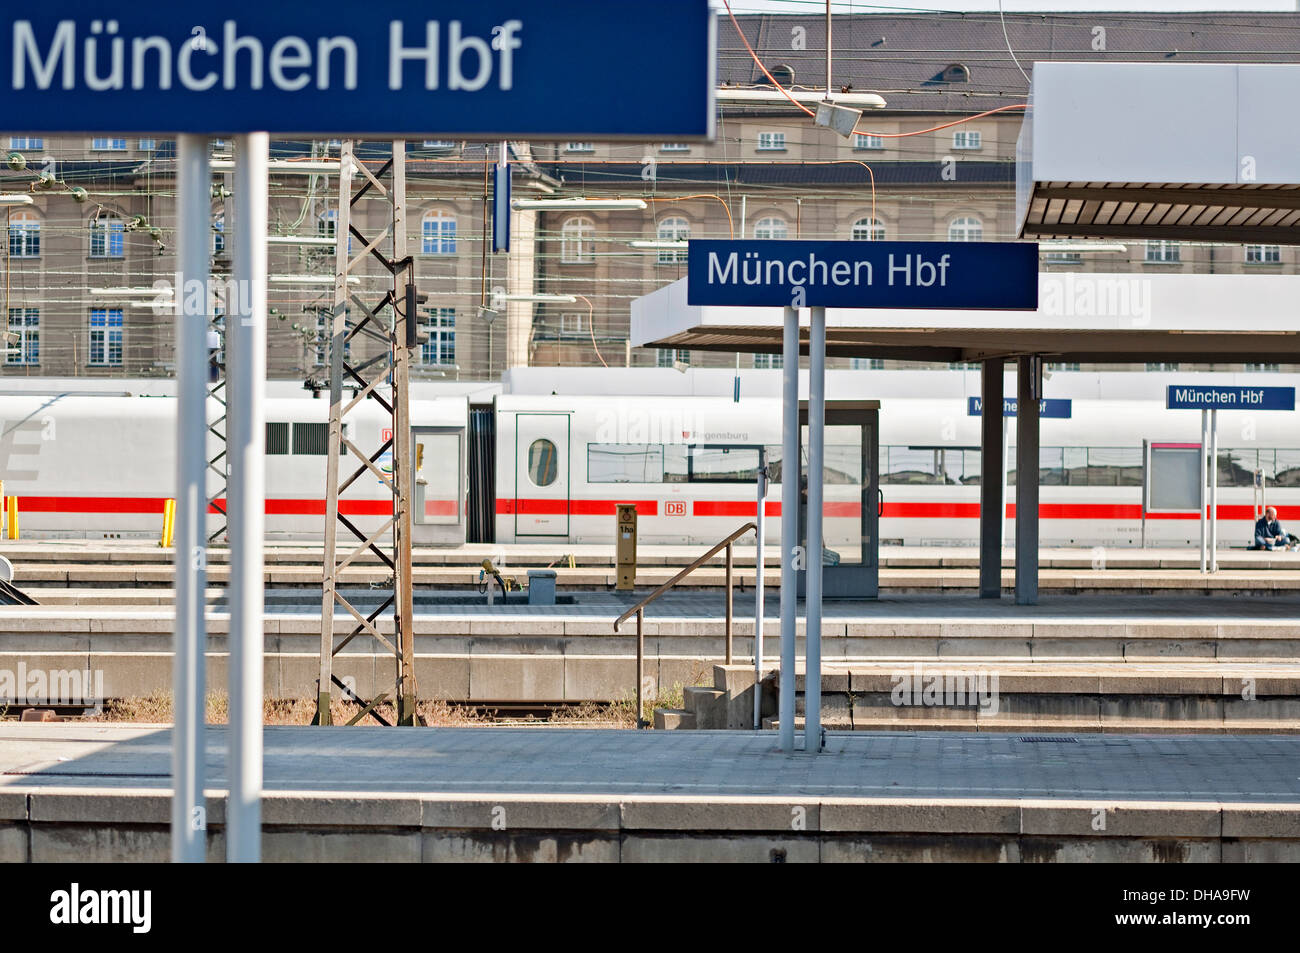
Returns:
<point x="1162" y="151"/>
<point x="1080" y="317"/>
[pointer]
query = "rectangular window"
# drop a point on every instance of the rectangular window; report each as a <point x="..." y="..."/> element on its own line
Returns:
<point x="579" y="147"/>
<point x="24" y="237"/>
<point x="439" y="145"/>
<point x="867" y="141"/>
<point x="625" y="463"/>
<point x="674" y="147"/>
<point x="1062" y="257"/>
<point x="439" y="348"/>
<point x="669" y="357"/>
<point x="967" y="139"/>
<point x="771" y="141"/>
<point x="24" y="343"/>
<point x="1263" y="254"/>
<point x="1269" y="368"/>
<point x="866" y="363"/>
<point x="769" y="361"/>
<point x="573" y="322"/>
<point x="311" y="439"/>
<point x="438" y="235"/>
<point x="148" y="145"/>
<point x="107" y="238"/>
<point x="1159" y="252"/>
<point x="277" y="438"/>
<point x="106" y="337"/>
<point x="25" y="143"/>
<point x="104" y="144"/>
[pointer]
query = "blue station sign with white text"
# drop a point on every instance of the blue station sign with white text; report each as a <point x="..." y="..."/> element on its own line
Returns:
<point x="384" y="68"/>
<point x="850" y="274"/>
<point x="1228" y="397"/>
<point x="1047" y="407"/>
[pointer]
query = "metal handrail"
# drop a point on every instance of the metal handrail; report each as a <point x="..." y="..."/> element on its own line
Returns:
<point x="639" y="611"/>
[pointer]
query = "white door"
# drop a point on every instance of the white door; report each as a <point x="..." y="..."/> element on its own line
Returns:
<point x="541" y="475"/>
<point x="438" y="468"/>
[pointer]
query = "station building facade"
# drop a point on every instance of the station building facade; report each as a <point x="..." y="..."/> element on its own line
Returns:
<point x="100" y="227"/>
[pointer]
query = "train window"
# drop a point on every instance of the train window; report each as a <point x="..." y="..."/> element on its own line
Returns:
<point x="277" y="438"/>
<point x="1237" y="467"/>
<point x="715" y="463"/>
<point x="625" y="463"/>
<point x="1051" y="466"/>
<point x="1286" y="468"/>
<point x="910" y="465"/>
<point x="311" y="439"/>
<point x="543" y="463"/>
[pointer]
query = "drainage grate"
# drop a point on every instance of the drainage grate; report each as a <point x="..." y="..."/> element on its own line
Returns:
<point x="1058" y="738"/>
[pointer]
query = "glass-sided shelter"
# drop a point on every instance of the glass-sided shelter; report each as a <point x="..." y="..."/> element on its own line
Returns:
<point x="851" y="467"/>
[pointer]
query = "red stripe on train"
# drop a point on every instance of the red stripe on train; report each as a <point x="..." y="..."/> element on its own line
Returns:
<point x="703" y="508"/>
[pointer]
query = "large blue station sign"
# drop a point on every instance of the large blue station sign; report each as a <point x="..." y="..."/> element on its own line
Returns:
<point x="1228" y="397"/>
<point x="1047" y="407"/>
<point x="1000" y="276"/>
<point x="385" y="68"/>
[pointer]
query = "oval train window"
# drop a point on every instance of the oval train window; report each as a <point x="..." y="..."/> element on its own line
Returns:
<point x="543" y="467"/>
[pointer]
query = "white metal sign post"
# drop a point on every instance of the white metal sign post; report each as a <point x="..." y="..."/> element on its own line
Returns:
<point x="194" y="191"/>
<point x="246" y="439"/>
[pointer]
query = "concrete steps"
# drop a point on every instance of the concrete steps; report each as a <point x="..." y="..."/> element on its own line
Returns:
<point x="1014" y="695"/>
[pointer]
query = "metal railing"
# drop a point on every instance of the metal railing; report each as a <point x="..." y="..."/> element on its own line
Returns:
<point x="639" y="611"/>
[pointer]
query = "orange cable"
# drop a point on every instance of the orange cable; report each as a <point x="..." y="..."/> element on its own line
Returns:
<point x="591" y="326"/>
<point x="704" y="195"/>
<point x="955" y="122"/>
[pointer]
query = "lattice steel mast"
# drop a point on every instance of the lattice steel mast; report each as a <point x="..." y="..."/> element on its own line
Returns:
<point x="398" y="334"/>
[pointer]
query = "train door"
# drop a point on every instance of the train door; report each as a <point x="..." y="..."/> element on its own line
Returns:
<point x="439" y="467"/>
<point x="542" y="475"/>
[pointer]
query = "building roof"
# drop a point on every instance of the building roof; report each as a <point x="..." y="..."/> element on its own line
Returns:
<point x="904" y="57"/>
<point x="1080" y="317"/>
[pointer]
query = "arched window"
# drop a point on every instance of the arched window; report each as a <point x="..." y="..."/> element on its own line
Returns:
<point x="438" y="234"/>
<point x="868" y="230"/>
<point x="772" y="227"/>
<point x="24" y="235"/>
<point x="674" y="229"/>
<point x="578" y="241"/>
<point x="966" y="229"/>
<point x="107" y="237"/>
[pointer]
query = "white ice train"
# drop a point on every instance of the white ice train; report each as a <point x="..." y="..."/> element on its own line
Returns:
<point x="551" y="469"/>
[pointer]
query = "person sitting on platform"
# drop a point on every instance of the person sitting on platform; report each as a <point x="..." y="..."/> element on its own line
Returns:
<point x="1268" y="531"/>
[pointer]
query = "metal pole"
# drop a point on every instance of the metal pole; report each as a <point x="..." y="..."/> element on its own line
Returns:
<point x="1214" y="490"/>
<point x="1205" y="448"/>
<point x="245" y="441"/>
<point x="729" y="565"/>
<point x="640" y="667"/>
<point x="404" y="342"/>
<point x="1003" y="476"/>
<point x="194" y="213"/>
<point x="828" y="49"/>
<point x="760" y="520"/>
<point x="992" y="508"/>
<point x="812" y="691"/>
<point x="789" y="523"/>
<point x="1027" y="463"/>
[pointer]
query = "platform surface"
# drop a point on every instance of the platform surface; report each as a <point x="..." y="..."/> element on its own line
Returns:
<point x="542" y="761"/>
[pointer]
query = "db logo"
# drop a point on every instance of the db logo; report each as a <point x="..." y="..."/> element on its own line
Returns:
<point x="675" y="508"/>
<point x="386" y="434"/>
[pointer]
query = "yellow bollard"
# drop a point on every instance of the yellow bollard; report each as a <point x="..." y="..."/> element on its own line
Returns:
<point x="169" y="523"/>
<point x="11" y="504"/>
